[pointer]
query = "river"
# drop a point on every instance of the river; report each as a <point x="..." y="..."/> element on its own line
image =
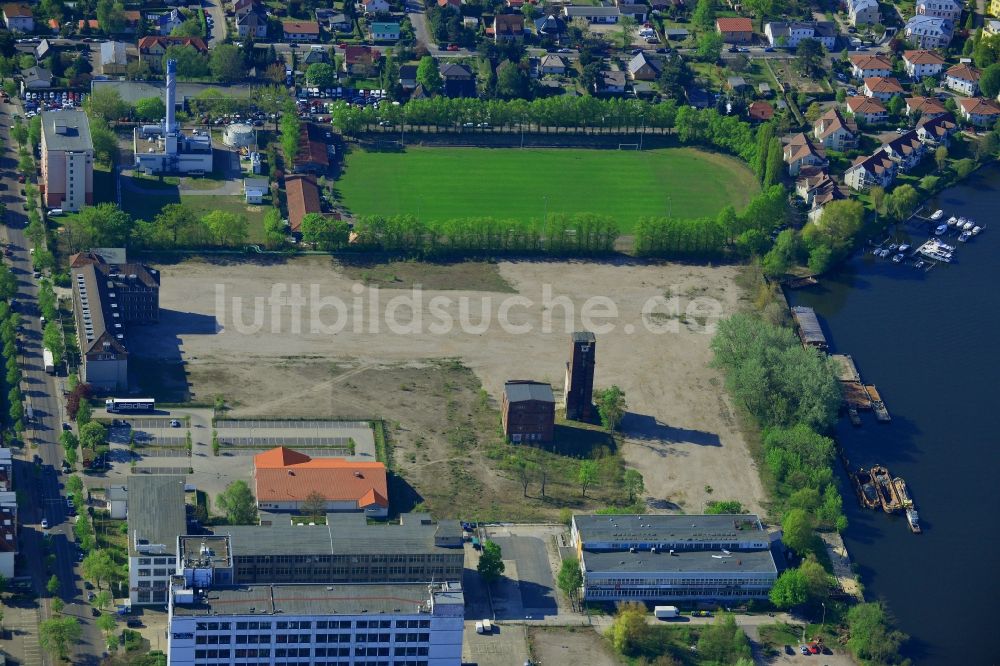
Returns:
<point x="927" y="342"/>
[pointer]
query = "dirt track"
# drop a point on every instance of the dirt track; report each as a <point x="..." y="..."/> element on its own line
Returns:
<point x="681" y="431"/>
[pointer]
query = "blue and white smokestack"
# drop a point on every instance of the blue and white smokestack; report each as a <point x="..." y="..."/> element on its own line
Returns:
<point x="171" y="96"/>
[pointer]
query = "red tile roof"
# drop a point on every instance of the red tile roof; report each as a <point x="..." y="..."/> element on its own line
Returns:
<point x="879" y="84"/>
<point x="734" y="24"/>
<point x="147" y="43"/>
<point x="302" y="197"/>
<point x="283" y="475"/>
<point x="300" y="27"/>
<point x="761" y="111"/>
<point x="964" y="71"/>
<point x="865" y="105"/>
<point x="979" y="106"/>
<point x="862" y="61"/>
<point x="922" y="58"/>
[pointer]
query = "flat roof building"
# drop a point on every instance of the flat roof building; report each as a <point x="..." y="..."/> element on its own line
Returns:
<point x="416" y="624"/>
<point x="8" y="533"/>
<point x="156" y="518"/>
<point x="67" y="160"/>
<point x="673" y="557"/>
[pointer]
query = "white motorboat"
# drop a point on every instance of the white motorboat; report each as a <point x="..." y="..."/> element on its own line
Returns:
<point x="968" y="226"/>
<point x="952" y="220"/>
<point x="892" y="247"/>
<point x="976" y="230"/>
<point x="937" y="215"/>
<point x="920" y="264"/>
<point x="898" y="258"/>
<point x="941" y="229"/>
<point x="903" y="247"/>
<point x="935" y="250"/>
<point x="965" y="236"/>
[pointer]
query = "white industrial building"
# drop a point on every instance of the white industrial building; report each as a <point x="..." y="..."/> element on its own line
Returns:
<point x="164" y="148"/>
<point x="155" y="519"/>
<point x="674" y="557"/>
<point x="410" y="624"/>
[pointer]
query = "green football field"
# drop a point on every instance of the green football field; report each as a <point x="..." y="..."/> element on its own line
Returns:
<point x="510" y="183"/>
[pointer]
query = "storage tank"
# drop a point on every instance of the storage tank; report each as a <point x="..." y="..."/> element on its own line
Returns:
<point x="238" y="135"/>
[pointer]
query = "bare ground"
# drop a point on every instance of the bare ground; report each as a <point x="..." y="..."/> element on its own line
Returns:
<point x="570" y="645"/>
<point x="681" y="431"/>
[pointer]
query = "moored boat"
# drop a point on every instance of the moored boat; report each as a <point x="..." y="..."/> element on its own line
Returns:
<point x="968" y="226"/>
<point x="976" y="230"/>
<point x="852" y="413"/>
<point x="898" y="258"/>
<point x="885" y="489"/>
<point x="937" y="215"/>
<point x="902" y="493"/>
<point x="964" y="237"/>
<point x="913" y="520"/>
<point x="941" y="228"/>
<point x="952" y="220"/>
<point x="903" y="247"/>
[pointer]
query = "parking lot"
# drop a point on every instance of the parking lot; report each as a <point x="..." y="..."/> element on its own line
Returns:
<point x="324" y="438"/>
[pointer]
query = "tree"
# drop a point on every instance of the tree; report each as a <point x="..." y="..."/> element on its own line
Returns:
<point x="191" y="63"/>
<point x="941" y="157"/>
<point x="524" y="471"/>
<point x="237" y="501"/>
<point x="586" y="475"/>
<point x="226" y="228"/>
<point x="110" y="16"/>
<point x="429" y="76"/>
<point x="902" y="201"/>
<point x="570" y="579"/>
<point x="809" y="57"/>
<point x="35" y="130"/>
<point x="314" y="506"/>
<point x="789" y="590"/>
<point x="896" y="106"/>
<point x="818" y="582"/>
<point x="782" y="254"/>
<point x="634" y="485"/>
<point x="722" y="642"/>
<point x="53" y="585"/>
<point x="93" y="435"/>
<point x="989" y="81"/>
<point x="611" y="406"/>
<point x="52" y="339"/>
<point x="105" y="142"/>
<point x="274" y="228"/>
<point x="226" y="63"/>
<point x="325" y="232"/>
<point x="105" y="103"/>
<point x="491" y="565"/>
<point x="797" y="530"/>
<point x="150" y="109"/>
<point x="57" y="634"/>
<point x="19" y="132"/>
<point x="704" y="15"/>
<point x="627" y="26"/>
<point x="189" y="28"/>
<point x="629" y="628"/>
<point x="724" y="507"/>
<point x="774" y="167"/>
<point x="107" y="623"/>
<point x="322" y="75"/>
<point x="709" y="47"/>
<point x="512" y="82"/>
<point x="98" y="566"/>
<point x="871" y="637"/>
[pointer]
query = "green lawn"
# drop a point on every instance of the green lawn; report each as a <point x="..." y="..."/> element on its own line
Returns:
<point x="509" y="183"/>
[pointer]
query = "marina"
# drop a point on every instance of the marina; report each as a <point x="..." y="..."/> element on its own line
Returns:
<point x="935" y="249"/>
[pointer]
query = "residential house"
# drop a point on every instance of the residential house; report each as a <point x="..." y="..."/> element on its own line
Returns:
<point x="736" y="30"/>
<point x="87" y="24"/>
<point x="408" y="77"/>
<point x="636" y="11"/>
<point x="876" y="169"/>
<point x="643" y="67"/>
<point x="946" y="9"/>
<point x="926" y="107"/>
<point x="36" y="78"/>
<point x="302" y="196"/>
<point x="241" y="7"/>
<point x="459" y="80"/>
<point x="114" y="58"/>
<point x="979" y="111"/>
<point x="383" y="31"/>
<point x="552" y="64"/>
<point x="929" y="32"/>
<point x="550" y="26"/>
<point x="361" y="61"/>
<point x="882" y="88"/>
<point x="815" y="186"/>
<point x="300" y="31"/>
<point x="252" y="24"/>
<point x="992" y="26"/>
<point x="374" y="6"/>
<point x="18" y="17"/>
<point x="760" y="112"/>
<point x="906" y="150"/>
<point x="133" y="19"/>
<point x="780" y="33"/>
<point x="864" y="12"/>
<point x="528" y="411"/>
<point x="835" y="132"/>
<point x="922" y="63"/>
<point x="165" y="23"/>
<point x="962" y="78"/>
<point x="508" y="27"/>
<point x="153" y="47"/>
<point x="867" y="109"/>
<point x="316" y="54"/>
<point x="800" y="152"/>
<point x="255" y="190"/>
<point x="737" y="84"/>
<point x="610" y="82"/>
<point x="333" y="20"/>
<point x="592" y="14"/>
<point x="937" y="130"/>
<point x="285" y="480"/>
<point x="867" y="66"/>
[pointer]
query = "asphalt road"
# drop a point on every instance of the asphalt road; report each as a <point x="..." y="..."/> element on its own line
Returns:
<point x="44" y="494"/>
<point x="214" y="9"/>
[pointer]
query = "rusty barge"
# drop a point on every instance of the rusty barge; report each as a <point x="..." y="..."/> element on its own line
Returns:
<point x="886" y="489"/>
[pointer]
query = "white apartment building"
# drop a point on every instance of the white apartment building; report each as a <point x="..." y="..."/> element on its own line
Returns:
<point x="411" y="624"/>
<point x="67" y="160"/>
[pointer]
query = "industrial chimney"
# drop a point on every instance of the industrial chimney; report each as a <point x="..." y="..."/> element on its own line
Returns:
<point x="171" y="101"/>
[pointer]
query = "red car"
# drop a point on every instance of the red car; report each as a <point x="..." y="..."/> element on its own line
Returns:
<point x="454" y="47"/>
<point x="20" y="178"/>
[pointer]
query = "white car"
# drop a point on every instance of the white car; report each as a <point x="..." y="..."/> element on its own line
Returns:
<point x="45" y="523"/>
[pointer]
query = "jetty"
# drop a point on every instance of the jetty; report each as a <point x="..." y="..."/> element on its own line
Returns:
<point x="881" y="412"/>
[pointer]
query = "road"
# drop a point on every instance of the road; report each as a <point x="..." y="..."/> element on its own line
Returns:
<point x="214" y="9"/>
<point x="43" y="496"/>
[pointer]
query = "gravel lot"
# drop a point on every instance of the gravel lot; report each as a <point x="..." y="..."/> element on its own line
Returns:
<point x="680" y="430"/>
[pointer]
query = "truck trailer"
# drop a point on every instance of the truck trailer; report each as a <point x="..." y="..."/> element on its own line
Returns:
<point x="666" y="612"/>
<point x="50" y="365"/>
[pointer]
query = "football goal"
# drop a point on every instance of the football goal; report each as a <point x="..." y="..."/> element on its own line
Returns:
<point x="628" y="146"/>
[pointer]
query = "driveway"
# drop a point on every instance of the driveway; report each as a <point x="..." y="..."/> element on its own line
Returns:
<point x="533" y="573"/>
<point x="420" y="28"/>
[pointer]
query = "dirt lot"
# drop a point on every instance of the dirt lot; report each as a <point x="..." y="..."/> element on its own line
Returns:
<point x="680" y="430"/>
<point x="570" y="645"/>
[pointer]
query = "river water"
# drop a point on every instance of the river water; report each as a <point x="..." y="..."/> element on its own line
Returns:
<point x="930" y="342"/>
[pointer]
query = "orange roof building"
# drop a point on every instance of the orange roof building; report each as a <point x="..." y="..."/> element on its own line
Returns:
<point x="284" y="479"/>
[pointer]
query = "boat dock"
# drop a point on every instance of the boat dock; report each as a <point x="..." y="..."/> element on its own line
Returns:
<point x="881" y="413"/>
<point x="846" y="370"/>
<point x="802" y="282"/>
